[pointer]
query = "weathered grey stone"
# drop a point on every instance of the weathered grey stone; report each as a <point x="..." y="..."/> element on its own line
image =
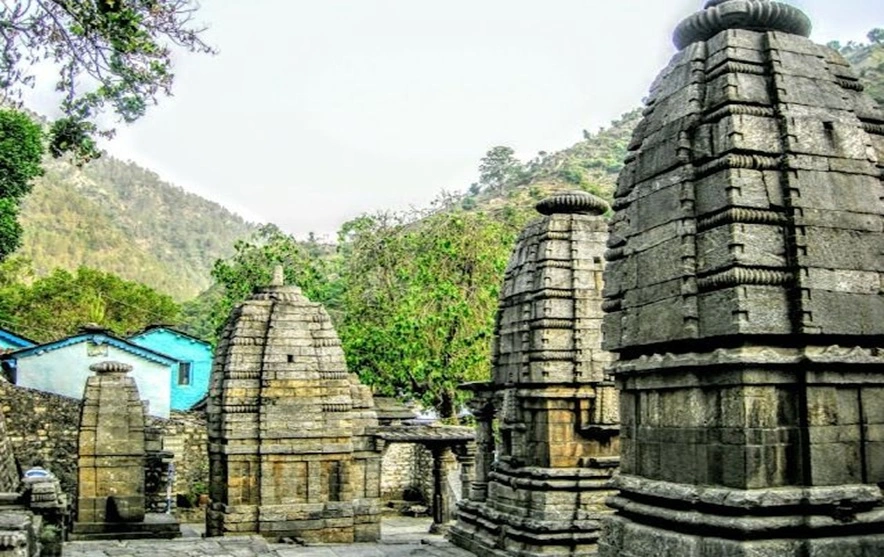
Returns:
<point x="291" y="449"/>
<point x="744" y="298"/>
<point x="553" y="400"/>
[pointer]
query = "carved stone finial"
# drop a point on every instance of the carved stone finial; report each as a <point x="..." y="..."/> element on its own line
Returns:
<point x="278" y="276"/>
<point x="110" y="367"/>
<point x="574" y="202"/>
<point x="752" y="15"/>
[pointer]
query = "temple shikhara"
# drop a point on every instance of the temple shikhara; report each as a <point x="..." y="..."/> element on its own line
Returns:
<point x="541" y="489"/>
<point x="744" y="299"/>
<point x="289" y="455"/>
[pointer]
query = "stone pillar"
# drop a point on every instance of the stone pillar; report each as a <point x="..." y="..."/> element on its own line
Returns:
<point x="111" y="448"/>
<point x="440" y="510"/>
<point x="443" y="460"/>
<point x="484" y="414"/>
<point x="744" y="299"/>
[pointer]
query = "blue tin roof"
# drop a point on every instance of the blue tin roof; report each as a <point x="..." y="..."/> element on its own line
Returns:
<point x="15" y="340"/>
<point x="97" y="338"/>
<point x="153" y="328"/>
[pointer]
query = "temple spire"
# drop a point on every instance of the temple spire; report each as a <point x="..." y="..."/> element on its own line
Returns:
<point x="278" y="276"/>
<point x="749" y="15"/>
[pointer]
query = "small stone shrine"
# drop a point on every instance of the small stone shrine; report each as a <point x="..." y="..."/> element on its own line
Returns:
<point x="744" y="291"/>
<point x="289" y="451"/>
<point x="555" y="405"/>
<point x="111" y="461"/>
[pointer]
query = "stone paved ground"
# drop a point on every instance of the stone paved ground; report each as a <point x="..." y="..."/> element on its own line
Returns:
<point x="402" y="537"/>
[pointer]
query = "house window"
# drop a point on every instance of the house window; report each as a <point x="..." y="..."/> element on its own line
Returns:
<point x="184" y="373"/>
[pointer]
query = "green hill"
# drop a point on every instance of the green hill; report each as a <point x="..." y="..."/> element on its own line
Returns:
<point x="868" y="61"/>
<point x="119" y="217"/>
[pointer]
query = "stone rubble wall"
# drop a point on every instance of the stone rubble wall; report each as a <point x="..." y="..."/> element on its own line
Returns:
<point x="408" y="467"/>
<point x="402" y="471"/>
<point x="184" y="434"/>
<point x="42" y="428"/>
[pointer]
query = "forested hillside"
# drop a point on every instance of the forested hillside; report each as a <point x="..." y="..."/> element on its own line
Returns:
<point x="868" y="61"/>
<point x="119" y="217"/>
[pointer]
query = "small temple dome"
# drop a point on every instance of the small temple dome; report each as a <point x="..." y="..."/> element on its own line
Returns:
<point x="750" y="15"/>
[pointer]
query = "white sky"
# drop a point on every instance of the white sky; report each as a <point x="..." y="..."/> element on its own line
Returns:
<point x="316" y="111"/>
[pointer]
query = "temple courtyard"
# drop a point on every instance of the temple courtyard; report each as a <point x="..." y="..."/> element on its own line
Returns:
<point x="400" y="537"/>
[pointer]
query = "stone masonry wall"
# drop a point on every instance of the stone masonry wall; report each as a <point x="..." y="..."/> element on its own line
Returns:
<point x="399" y="466"/>
<point x="42" y="428"/>
<point x="184" y="434"/>
<point x="407" y="467"/>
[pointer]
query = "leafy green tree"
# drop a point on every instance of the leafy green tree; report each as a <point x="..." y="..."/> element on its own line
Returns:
<point x="876" y="36"/>
<point x="419" y="301"/>
<point x="499" y="168"/>
<point x="60" y="303"/>
<point x="111" y="53"/>
<point x="305" y="265"/>
<point x="21" y="149"/>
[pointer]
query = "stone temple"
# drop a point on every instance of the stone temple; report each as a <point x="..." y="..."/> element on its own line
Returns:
<point x="744" y="291"/>
<point x="111" y="461"/>
<point x="554" y="403"/>
<point x="289" y="454"/>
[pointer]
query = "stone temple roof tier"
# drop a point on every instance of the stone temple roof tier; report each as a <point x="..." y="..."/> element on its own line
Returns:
<point x="573" y="203"/>
<point x="751" y="15"/>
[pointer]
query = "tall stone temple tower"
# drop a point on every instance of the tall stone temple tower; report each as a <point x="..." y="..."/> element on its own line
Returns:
<point x="554" y="404"/>
<point x="745" y="298"/>
<point x="289" y="455"/>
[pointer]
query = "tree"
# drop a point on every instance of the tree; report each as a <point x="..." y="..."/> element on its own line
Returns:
<point x="499" y="168"/>
<point x="876" y="36"/>
<point x="60" y="303"/>
<point x="419" y="301"/>
<point x="21" y="150"/>
<point x="305" y="265"/>
<point x="111" y="53"/>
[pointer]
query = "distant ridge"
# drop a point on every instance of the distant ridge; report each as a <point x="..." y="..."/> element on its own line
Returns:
<point x="119" y="217"/>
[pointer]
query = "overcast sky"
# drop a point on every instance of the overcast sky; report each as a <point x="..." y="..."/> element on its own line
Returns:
<point x="315" y="111"/>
